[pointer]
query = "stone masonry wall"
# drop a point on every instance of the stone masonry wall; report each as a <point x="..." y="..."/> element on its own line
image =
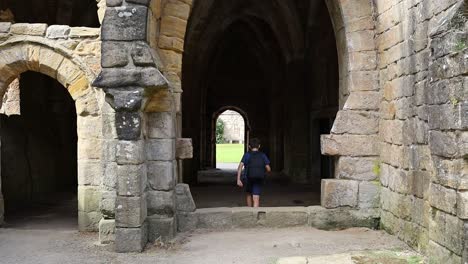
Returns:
<point x="417" y="206"/>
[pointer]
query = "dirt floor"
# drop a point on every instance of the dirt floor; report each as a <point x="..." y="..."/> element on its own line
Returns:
<point x="46" y="234"/>
<point x="217" y="188"/>
<point x="265" y="246"/>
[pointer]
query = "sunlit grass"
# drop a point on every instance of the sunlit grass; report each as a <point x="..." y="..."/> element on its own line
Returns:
<point x="229" y="153"/>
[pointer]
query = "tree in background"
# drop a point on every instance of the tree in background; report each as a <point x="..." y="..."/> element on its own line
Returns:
<point x="219" y="131"/>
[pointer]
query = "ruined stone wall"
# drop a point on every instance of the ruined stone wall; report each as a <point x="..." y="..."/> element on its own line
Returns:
<point x="234" y="126"/>
<point x="72" y="56"/>
<point x="421" y="162"/>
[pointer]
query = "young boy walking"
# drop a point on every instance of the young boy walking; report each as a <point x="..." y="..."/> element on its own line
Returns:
<point x="256" y="165"/>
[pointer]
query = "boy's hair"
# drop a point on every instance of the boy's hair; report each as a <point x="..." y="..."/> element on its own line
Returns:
<point x="254" y="143"/>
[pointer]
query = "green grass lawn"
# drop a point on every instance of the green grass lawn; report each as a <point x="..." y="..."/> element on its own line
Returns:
<point x="229" y="153"/>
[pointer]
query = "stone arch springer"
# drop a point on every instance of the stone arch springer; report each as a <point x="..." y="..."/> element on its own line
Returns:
<point x="39" y="55"/>
<point x="36" y="54"/>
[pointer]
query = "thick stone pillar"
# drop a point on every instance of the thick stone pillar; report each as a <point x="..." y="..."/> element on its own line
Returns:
<point x="129" y="76"/>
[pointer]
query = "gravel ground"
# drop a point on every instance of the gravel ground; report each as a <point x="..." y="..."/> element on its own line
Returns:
<point x="247" y="246"/>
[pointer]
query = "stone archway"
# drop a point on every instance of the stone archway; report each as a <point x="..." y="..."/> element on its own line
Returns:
<point x="31" y="54"/>
<point x="247" y="129"/>
<point x="143" y="93"/>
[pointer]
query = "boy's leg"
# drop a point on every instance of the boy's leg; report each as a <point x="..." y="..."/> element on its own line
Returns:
<point x="256" y="200"/>
<point x="249" y="199"/>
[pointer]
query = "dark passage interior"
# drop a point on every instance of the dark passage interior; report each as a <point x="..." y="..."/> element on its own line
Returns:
<point x="277" y="61"/>
<point x="52" y="12"/>
<point x="39" y="155"/>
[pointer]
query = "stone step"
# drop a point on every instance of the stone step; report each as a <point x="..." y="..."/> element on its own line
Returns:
<point x="277" y="217"/>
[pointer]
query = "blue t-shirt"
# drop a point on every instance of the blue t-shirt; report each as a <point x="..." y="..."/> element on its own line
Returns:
<point x="246" y="158"/>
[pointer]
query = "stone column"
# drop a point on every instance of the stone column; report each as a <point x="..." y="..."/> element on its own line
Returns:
<point x="162" y="174"/>
<point x="129" y="76"/>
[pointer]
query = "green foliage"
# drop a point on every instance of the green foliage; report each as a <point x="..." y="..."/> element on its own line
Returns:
<point x="460" y="45"/>
<point x="454" y="101"/>
<point x="219" y="131"/>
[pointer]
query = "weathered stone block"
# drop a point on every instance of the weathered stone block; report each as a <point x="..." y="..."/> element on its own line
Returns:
<point x="446" y="116"/>
<point x="130" y="152"/>
<point x="89" y="198"/>
<point x="333" y="219"/>
<point x="106" y="231"/>
<point x="363" y="81"/>
<point x="367" y="100"/>
<point x="130" y="211"/>
<point x="363" y="61"/>
<point x="286" y="217"/>
<point x="184" y="148"/>
<point x="131" y="239"/>
<point x="244" y="217"/>
<point x="462" y="205"/>
<point x="141" y="55"/>
<point x="442" y="198"/>
<point x="443" y="144"/>
<point x="58" y="32"/>
<point x="89" y="149"/>
<point x="361" y="169"/>
<point x="439" y="254"/>
<point x="88" y="221"/>
<point x="128" y="125"/>
<point x="109" y="180"/>
<point x="28" y="29"/>
<point x="89" y="127"/>
<point x="161" y="125"/>
<point x="127" y="100"/>
<point x="89" y="172"/>
<point x="114" y="54"/>
<point x="5" y="27"/>
<point x="355" y="122"/>
<point x="369" y="194"/>
<point x="349" y="145"/>
<point x="447" y="230"/>
<point x="184" y="200"/>
<point x="84" y="32"/>
<point x="107" y="205"/>
<point x="173" y="27"/>
<point x="339" y="193"/>
<point x="161" y="228"/>
<point x="147" y="77"/>
<point x="450" y="172"/>
<point x="215" y="218"/>
<point x="177" y="9"/>
<point x="131" y="180"/>
<point x="160" y="149"/>
<point x="161" y="175"/>
<point x="421" y="181"/>
<point x="187" y="221"/>
<point x="161" y="203"/>
<point x="125" y="23"/>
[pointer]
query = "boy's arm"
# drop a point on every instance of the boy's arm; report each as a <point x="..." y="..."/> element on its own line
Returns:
<point x="239" y="172"/>
<point x="268" y="168"/>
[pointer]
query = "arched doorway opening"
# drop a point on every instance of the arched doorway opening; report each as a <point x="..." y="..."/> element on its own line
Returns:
<point x="231" y="136"/>
<point x="281" y="69"/>
<point x="39" y="154"/>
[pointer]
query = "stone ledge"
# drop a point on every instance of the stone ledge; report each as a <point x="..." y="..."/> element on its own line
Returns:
<point x="277" y="217"/>
<point x="349" y="145"/>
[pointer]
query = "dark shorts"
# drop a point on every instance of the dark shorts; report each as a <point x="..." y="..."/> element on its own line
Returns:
<point x="253" y="187"/>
